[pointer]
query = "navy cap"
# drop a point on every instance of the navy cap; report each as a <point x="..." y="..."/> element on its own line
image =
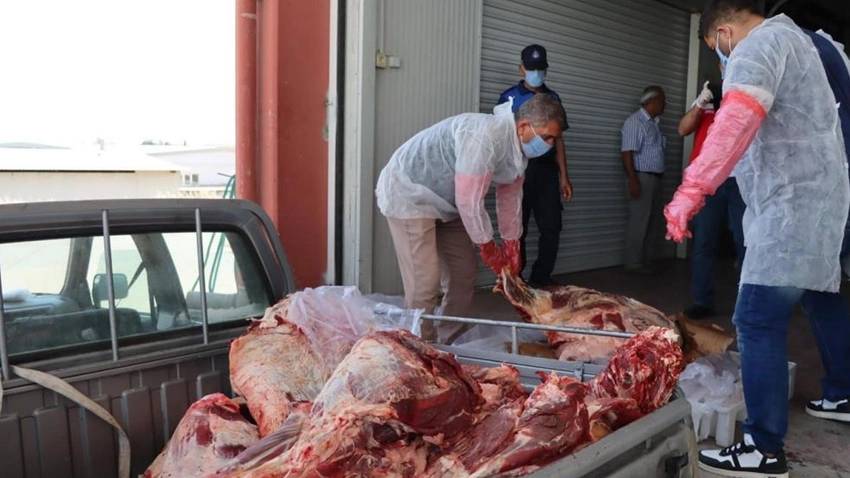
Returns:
<point x="534" y="58"/>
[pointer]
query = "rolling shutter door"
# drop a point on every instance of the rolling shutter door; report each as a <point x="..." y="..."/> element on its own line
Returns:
<point x="601" y="56"/>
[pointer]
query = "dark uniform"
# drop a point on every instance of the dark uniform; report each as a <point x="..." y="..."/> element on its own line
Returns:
<point x="541" y="196"/>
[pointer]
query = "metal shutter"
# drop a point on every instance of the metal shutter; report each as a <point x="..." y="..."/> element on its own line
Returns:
<point x="601" y="56"/>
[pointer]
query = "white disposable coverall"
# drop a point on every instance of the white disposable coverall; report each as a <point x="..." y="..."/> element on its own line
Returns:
<point x="779" y="118"/>
<point x="445" y="171"/>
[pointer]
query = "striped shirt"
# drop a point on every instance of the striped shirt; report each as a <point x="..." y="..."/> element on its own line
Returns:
<point x="642" y="135"/>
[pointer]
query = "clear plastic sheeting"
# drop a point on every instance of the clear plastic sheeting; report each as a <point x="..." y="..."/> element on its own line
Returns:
<point x="496" y="339"/>
<point x="444" y="172"/>
<point x="334" y="317"/>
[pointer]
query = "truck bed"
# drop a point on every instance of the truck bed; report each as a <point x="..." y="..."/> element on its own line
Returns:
<point x="661" y="444"/>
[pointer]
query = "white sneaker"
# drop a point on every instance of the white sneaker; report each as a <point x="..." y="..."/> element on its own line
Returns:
<point x="743" y="460"/>
<point x="823" y="408"/>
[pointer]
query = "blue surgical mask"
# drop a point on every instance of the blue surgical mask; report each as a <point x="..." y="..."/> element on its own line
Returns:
<point x="724" y="59"/>
<point x="536" y="147"/>
<point x="534" y="78"/>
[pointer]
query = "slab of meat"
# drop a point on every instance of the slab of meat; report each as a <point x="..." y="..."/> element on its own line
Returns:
<point x="646" y="369"/>
<point x="397" y="407"/>
<point x="383" y="412"/>
<point x="272" y="365"/>
<point x="499" y="385"/>
<point x="211" y="433"/>
<point x="553" y="423"/>
<point x="271" y="446"/>
<point x="579" y="307"/>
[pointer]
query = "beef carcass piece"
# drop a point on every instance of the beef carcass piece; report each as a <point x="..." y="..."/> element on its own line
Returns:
<point x="579" y="307"/>
<point x="553" y="422"/>
<point x="383" y="412"/>
<point x="211" y="433"/>
<point x="272" y="365"/>
<point x="499" y="385"/>
<point x="645" y="369"/>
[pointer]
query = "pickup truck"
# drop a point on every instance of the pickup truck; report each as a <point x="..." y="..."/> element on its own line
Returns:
<point x="109" y="296"/>
<point x="146" y="347"/>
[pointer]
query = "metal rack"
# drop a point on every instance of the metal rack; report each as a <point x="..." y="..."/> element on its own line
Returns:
<point x="523" y="325"/>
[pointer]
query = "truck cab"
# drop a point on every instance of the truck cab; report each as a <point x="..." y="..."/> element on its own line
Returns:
<point x="109" y="296"/>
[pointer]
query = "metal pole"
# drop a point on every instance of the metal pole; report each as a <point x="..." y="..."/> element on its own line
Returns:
<point x="110" y="289"/>
<point x="514" y="345"/>
<point x="200" y="242"/>
<point x="523" y="325"/>
<point x="4" y="357"/>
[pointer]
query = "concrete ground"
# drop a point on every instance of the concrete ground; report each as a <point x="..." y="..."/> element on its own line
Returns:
<point x="816" y="448"/>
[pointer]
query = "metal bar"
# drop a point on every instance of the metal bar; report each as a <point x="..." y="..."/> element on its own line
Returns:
<point x="514" y="345"/>
<point x="110" y="289"/>
<point x="200" y="242"/>
<point x="4" y="354"/>
<point x="523" y="325"/>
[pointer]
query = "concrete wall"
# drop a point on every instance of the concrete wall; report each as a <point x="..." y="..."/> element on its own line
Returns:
<point x="18" y="187"/>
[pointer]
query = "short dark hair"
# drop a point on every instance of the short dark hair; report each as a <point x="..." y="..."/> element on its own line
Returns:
<point x="717" y="11"/>
<point x="542" y="108"/>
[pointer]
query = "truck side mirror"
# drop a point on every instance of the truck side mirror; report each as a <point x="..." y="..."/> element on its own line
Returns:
<point x="100" y="291"/>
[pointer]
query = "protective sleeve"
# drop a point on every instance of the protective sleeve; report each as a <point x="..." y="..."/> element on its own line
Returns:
<point x="509" y="209"/>
<point x="734" y="128"/>
<point x="473" y="173"/>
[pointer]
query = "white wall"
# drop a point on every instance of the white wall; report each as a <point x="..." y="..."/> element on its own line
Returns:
<point x="18" y="187"/>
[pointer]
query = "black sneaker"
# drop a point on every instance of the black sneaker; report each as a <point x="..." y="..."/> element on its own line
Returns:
<point x="743" y="460"/>
<point x="697" y="311"/>
<point x="823" y="408"/>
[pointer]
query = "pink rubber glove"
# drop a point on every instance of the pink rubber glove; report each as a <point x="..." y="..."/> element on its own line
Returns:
<point x="493" y="257"/>
<point x="734" y="128"/>
<point x="510" y="253"/>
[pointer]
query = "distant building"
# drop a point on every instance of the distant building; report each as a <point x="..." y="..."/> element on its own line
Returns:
<point x="34" y="173"/>
<point x="205" y="170"/>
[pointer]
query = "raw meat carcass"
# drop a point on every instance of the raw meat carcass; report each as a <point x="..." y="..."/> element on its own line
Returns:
<point x="646" y="369"/>
<point x="211" y="433"/>
<point x="553" y="423"/>
<point x="383" y="412"/>
<point x="499" y="385"/>
<point x="579" y="307"/>
<point x="273" y="365"/>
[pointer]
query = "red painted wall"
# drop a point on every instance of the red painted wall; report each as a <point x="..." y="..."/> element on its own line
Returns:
<point x="281" y="154"/>
<point x="302" y="149"/>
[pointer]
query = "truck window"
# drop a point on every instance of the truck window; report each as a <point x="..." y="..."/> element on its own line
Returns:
<point x="56" y="294"/>
<point x="36" y="267"/>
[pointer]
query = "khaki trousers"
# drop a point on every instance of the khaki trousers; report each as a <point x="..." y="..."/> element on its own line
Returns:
<point x="435" y="257"/>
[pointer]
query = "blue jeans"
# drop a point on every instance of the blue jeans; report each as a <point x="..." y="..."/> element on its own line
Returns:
<point x="762" y="315"/>
<point x="725" y="204"/>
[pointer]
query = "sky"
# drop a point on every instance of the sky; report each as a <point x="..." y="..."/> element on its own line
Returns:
<point x="122" y="70"/>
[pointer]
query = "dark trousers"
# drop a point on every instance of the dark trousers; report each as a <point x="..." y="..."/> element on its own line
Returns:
<point x="541" y="196"/>
<point x="726" y="204"/>
<point x="761" y="317"/>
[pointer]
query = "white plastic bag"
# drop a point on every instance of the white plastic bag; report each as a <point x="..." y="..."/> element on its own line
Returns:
<point x="334" y="317"/>
<point x="493" y="339"/>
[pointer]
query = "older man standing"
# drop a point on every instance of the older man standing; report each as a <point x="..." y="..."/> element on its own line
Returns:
<point x="642" y="150"/>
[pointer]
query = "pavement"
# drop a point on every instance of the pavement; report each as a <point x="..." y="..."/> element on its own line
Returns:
<point x="815" y="448"/>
